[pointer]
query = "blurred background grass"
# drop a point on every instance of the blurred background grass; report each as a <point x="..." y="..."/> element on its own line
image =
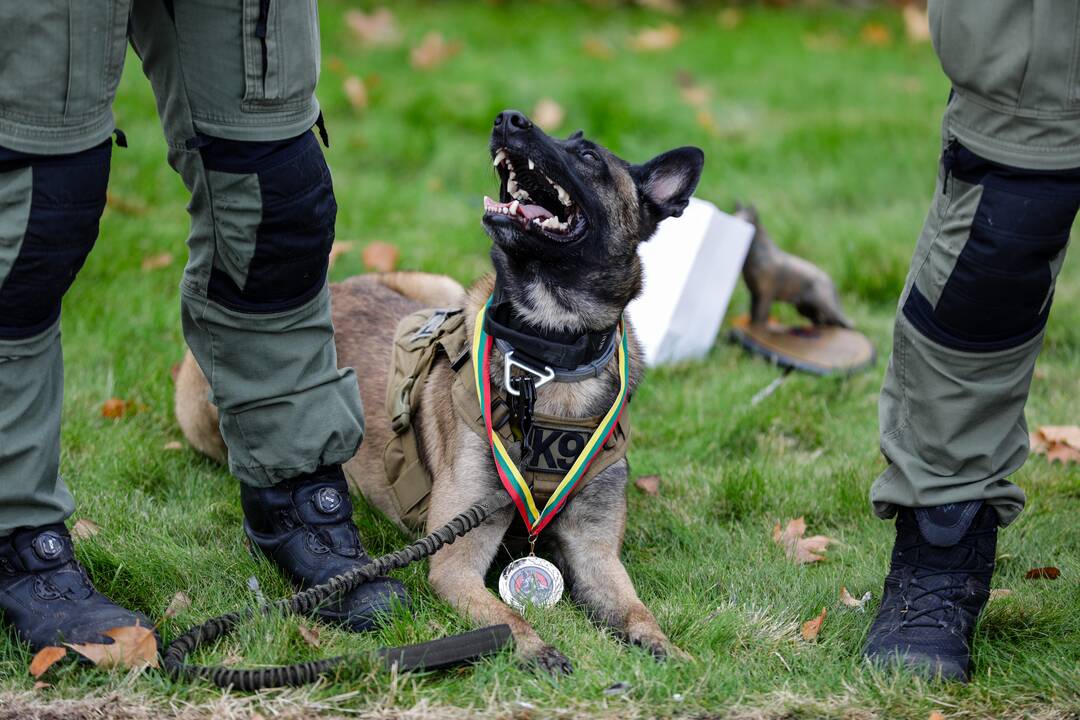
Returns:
<point x="828" y="119"/>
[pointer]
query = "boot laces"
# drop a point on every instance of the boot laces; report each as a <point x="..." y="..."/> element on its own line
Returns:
<point x="937" y="606"/>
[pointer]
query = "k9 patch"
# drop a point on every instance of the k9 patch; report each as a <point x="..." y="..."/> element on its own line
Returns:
<point x="554" y="450"/>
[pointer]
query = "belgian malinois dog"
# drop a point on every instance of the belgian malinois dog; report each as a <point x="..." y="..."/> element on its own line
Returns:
<point x="565" y="234"/>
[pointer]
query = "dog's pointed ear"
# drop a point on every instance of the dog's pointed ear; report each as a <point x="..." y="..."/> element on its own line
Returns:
<point x="667" y="181"/>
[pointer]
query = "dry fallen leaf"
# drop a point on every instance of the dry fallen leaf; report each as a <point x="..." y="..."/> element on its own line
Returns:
<point x="936" y="716"/>
<point x="45" y="659"/>
<point x="730" y="18"/>
<point x="851" y="602"/>
<point x="663" y="37"/>
<point x="339" y="248"/>
<point x="548" y="114"/>
<point x="1059" y="443"/>
<point x="648" y="484"/>
<point x="40" y="685"/>
<point x="375" y="28"/>
<point x="798" y="548"/>
<point x="381" y="256"/>
<point x="113" y="408"/>
<point x="1067" y="434"/>
<point x="708" y="122"/>
<point x="598" y="48"/>
<point x="173" y="445"/>
<point x="84" y="529"/>
<point x="1063" y="454"/>
<point x="1043" y="573"/>
<point x="132" y="647"/>
<point x="695" y="95"/>
<point x="310" y="634"/>
<point x="157" y="262"/>
<point x="180" y="602"/>
<point x="916" y="23"/>
<point x="124" y="205"/>
<point x="875" y="34"/>
<point x="997" y="593"/>
<point x="811" y="628"/>
<point x="335" y="65"/>
<point x="356" y="92"/>
<point x="433" y="51"/>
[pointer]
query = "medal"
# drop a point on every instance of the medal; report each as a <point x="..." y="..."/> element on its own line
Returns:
<point x="530" y="581"/>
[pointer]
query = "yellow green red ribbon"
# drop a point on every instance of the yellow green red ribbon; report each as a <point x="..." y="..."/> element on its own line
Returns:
<point x="512" y="480"/>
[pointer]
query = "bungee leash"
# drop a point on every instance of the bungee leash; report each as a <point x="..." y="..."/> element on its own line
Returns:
<point x="433" y="655"/>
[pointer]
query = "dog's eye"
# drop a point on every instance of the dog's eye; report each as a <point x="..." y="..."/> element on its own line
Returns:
<point x="590" y="155"/>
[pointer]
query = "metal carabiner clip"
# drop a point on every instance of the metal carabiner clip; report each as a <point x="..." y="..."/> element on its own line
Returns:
<point x="509" y="363"/>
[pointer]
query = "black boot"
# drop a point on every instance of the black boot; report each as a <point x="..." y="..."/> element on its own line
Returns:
<point x="46" y="596"/>
<point x="305" y="526"/>
<point x="937" y="586"/>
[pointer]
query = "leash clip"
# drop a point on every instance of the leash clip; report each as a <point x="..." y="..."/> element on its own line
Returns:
<point x="509" y="363"/>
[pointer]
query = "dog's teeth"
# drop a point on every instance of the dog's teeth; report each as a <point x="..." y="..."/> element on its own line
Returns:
<point x="532" y="165"/>
<point x="511" y="186"/>
<point x="564" y="197"/>
<point x="499" y="157"/>
<point x="551" y="223"/>
<point x="514" y="207"/>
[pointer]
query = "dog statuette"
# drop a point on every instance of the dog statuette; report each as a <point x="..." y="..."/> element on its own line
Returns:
<point x="774" y="275"/>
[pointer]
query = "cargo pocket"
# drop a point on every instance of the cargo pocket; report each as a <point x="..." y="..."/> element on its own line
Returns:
<point x="66" y="62"/>
<point x="281" y="54"/>
<point x="984" y="49"/>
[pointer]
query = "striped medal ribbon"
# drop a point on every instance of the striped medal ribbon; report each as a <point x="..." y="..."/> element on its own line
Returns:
<point x="536" y="519"/>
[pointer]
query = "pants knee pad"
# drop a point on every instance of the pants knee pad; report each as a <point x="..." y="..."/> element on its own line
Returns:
<point x="66" y="201"/>
<point x="999" y="292"/>
<point x="296" y="228"/>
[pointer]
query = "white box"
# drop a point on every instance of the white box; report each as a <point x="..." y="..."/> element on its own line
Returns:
<point x="691" y="266"/>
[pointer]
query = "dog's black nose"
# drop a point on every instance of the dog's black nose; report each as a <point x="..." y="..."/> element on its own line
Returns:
<point x="512" y="121"/>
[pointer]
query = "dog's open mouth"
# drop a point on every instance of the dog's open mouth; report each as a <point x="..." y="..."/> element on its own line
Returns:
<point x="533" y="199"/>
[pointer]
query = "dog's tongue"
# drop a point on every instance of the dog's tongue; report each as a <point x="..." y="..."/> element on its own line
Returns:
<point x="529" y="212"/>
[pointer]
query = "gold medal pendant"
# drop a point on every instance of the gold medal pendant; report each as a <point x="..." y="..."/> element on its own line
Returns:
<point x="530" y="581"/>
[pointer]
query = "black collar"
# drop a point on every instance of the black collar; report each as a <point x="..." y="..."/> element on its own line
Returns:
<point x="540" y="348"/>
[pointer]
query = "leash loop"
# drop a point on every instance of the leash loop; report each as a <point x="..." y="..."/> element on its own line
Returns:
<point x="303" y="603"/>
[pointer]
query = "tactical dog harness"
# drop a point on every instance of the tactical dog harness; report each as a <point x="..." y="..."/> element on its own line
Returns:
<point x="553" y="443"/>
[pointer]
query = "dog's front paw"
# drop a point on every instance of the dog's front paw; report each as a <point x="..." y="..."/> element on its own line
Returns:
<point x="549" y="660"/>
<point x="660" y="647"/>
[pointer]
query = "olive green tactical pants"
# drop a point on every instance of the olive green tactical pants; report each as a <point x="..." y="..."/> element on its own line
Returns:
<point x="972" y="314"/>
<point x="234" y="82"/>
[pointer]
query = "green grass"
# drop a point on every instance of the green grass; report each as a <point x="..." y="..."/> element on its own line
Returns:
<point x="836" y="141"/>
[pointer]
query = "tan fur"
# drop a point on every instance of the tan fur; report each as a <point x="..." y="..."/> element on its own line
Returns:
<point x="427" y="289"/>
<point x="587" y="535"/>
<point x="197" y="416"/>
